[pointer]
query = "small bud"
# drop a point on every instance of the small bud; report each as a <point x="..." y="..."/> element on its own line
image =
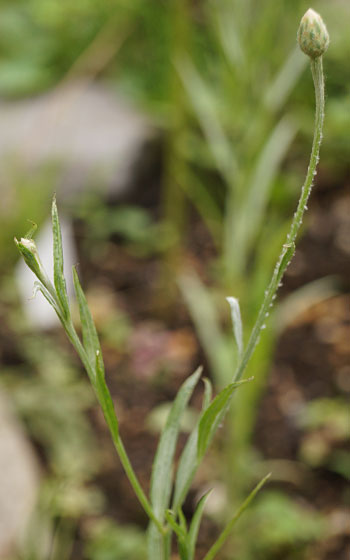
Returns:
<point x="313" y="36"/>
<point x="29" y="252"/>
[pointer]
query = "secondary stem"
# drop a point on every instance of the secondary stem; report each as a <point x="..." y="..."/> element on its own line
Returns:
<point x="112" y="424"/>
<point x="288" y="248"/>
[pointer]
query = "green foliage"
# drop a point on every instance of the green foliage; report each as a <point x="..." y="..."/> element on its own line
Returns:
<point x="281" y="522"/>
<point x="108" y="541"/>
<point x="159" y="538"/>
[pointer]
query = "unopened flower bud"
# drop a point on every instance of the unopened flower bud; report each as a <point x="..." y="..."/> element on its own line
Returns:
<point x="29" y="252"/>
<point x="313" y="36"/>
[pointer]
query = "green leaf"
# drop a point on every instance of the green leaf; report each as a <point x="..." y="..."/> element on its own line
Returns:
<point x="236" y="323"/>
<point x="188" y="463"/>
<point x="90" y="338"/>
<point x="226" y="532"/>
<point x="161" y="480"/>
<point x="105" y="398"/>
<point x="206" y="318"/>
<point x="39" y="287"/>
<point x="213" y="416"/>
<point x="58" y="276"/>
<point x="195" y="524"/>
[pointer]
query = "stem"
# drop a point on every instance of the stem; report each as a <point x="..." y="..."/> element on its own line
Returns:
<point x="288" y="248"/>
<point x="107" y="406"/>
<point x="228" y="529"/>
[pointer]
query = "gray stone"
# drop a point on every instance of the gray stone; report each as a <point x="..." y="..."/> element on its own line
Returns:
<point x="93" y="135"/>
<point x="19" y="476"/>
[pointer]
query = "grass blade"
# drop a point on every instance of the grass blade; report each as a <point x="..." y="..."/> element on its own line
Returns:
<point x="204" y="313"/>
<point x="161" y="481"/>
<point x="90" y="338"/>
<point x="213" y="416"/>
<point x="226" y="532"/>
<point x="195" y="524"/>
<point x="188" y="463"/>
<point x="58" y="276"/>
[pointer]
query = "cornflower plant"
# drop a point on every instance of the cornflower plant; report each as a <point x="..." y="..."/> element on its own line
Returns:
<point x="164" y="504"/>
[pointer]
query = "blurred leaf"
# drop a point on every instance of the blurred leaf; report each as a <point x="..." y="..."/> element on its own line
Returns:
<point x="330" y="413"/>
<point x="279" y="521"/>
<point x="109" y="541"/>
<point x="204" y="104"/>
<point x="205" y="315"/>
<point x="236" y="323"/>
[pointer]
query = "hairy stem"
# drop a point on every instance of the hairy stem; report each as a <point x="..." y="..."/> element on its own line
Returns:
<point x="288" y="248"/>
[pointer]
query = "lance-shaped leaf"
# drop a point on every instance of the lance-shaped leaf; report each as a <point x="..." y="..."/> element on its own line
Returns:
<point x="105" y="398"/>
<point x="161" y="481"/>
<point x="58" y="276"/>
<point x="90" y="338"/>
<point x="188" y="463"/>
<point x="213" y="416"/>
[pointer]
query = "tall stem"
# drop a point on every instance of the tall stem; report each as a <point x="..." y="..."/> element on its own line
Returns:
<point x="288" y="248"/>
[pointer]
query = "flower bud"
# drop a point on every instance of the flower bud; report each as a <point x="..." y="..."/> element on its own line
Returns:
<point x="29" y="252"/>
<point x="313" y="36"/>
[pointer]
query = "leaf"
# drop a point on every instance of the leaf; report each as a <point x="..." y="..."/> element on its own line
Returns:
<point x="161" y="480"/>
<point x="90" y="338"/>
<point x="39" y="287"/>
<point x="236" y="323"/>
<point x="188" y="463"/>
<point x="195" y="524"/>
<point x="206" y="108"/>
<point x="105" y="398"/>
<point x="58" y="275"/>
<point x="226" y="532"/>
<point x="213" y="416"/>
<point x="205" y="316"/>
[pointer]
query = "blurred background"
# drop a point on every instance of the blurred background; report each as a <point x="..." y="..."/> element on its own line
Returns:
<point x="176" y="134"/>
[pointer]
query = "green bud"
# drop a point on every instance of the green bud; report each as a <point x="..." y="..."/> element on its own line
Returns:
<point x="313" y="36"/>
<point x="29" y="252"/>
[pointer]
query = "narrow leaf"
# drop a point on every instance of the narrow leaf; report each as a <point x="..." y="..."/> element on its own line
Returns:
<point x="90" y="338"/>
<point x="226" y="532"/>
<point x="208" y="390"/>
<point x="206" y="319"/>
<point x="188" y="463"/>
<point x="58" y="275"/>
<point x="161" y="481"/>
<point x="213" y="416"/>
<point x="195" y="524"/>
<point x="236" y="323"/>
